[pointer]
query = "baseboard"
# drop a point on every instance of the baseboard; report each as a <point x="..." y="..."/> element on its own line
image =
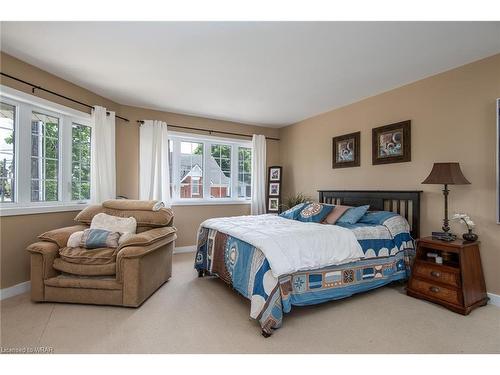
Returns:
<point x="494" y="299"/>
<point x="184" y="249"/>
<point x="15" y="290"/>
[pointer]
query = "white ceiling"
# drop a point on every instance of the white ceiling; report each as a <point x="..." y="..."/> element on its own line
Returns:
<point x="267" y="73"/>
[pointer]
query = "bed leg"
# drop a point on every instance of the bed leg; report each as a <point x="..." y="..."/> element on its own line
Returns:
<point x="265" y="334"/>
<point x="201" y="273"/>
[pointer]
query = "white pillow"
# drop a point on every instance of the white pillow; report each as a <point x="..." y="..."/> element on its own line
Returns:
<point x="113" y="223"/>
<point x="74" y="239"/>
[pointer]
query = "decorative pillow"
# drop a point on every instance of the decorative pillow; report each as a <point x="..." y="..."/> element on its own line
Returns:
<point x="75" y="239"/>
<point x="337" y="212"/>
<point x="96" y="238"/>
<point x="376" y="217"/>
<point x="113" y="223"/>
<point x="352" y="215"/>
<point x="314" y="212"/>
<point x="293" y="212"/>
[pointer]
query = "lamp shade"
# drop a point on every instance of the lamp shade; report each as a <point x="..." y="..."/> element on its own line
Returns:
<point x="446" y="174"/>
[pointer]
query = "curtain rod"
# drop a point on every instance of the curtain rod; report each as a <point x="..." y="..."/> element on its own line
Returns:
<point x="33" y="87"/>
<point x="210" y="131"/>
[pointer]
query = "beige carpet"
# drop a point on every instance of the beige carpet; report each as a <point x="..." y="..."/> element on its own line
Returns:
<point x="191" y="315"/>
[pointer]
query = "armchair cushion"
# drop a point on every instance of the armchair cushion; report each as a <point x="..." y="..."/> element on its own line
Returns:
<point x="60" y="236"/>
<point x="160" y="218"/>
<point x="133" y="205"/>
<point x="69" y="281"/>
<point x="80" y="255"/>
<point x="148" y="237"/>
<point x="85" y="269"/>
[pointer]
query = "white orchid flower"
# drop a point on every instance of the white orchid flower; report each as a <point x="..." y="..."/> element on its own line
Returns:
<point x="465" y="218"/>
<point x="469" y="222"/>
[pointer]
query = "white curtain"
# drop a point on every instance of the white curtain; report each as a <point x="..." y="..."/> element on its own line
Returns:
<point x="154" y="181"/>
<point x="103" y="167"/>
<point x="258" y="175"/>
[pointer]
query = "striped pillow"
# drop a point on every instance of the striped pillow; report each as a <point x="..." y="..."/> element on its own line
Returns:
<point x="96" y="238"/>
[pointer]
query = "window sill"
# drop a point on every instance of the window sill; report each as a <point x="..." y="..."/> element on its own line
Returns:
<point x="211" y="202"/>
<point x="15" y="210"/>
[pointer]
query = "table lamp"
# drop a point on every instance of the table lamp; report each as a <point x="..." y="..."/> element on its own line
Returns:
<point x="446" y="174"/>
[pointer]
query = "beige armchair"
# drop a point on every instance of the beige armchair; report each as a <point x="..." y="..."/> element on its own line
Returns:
<point x="125" y="276"/>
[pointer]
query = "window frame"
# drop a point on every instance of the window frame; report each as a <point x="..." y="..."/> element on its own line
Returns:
<point x="207" y="141"/>
<point x="25" y="105"/>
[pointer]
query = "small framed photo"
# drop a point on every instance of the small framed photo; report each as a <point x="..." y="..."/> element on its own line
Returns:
<point x="274" y="173"/>
<point x="274" y="189"/>
<point x="391" y="143"/>
<point x="346" y="150"/>
<point x="273" y="205"/>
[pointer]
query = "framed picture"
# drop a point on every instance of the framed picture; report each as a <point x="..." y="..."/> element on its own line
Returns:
<point x="274" y="189"/>
<point x="391" y="143"/>
<point x="346" y="150"/>
<point x="273" y="204"/>
<point x="274" y="173"/>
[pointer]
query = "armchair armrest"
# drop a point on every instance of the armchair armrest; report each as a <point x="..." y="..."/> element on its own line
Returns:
<point x="45" y="248"/>
<point x="133" y="253"/>
<point x="60" y="236"/>
<point x="148" y="237"/>
<point x="43" y="254"/>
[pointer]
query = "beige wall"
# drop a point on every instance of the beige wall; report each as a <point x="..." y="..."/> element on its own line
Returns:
<point x="18" y="231"/>
<point x="453" y="119"/>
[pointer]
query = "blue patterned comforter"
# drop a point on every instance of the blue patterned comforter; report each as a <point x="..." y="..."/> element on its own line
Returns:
<point x="383" y="236"/>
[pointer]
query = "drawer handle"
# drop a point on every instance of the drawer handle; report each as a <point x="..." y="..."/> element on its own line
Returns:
<point x="435" y="274"/>
<point x="434" y="289"/>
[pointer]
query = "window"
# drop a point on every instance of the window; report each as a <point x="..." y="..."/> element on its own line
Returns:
<point x="191" y="169"/>
<point x="44" y="154"/>
<point x="244" y="172"/>
<point x="7" y="150"/>
<point x="209" y="169"/>
<point x="219" y="165"/>
<point x="44" y="157"/>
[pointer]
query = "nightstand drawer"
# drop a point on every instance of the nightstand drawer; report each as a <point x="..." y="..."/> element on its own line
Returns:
<point x="437" y="273"/>
<point x="435" y="291"/>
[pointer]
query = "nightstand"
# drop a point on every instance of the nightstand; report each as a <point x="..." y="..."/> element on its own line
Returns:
<point x="458" y="283"/>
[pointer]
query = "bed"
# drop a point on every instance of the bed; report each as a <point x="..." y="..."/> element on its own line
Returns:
<point x="226" y="250"/>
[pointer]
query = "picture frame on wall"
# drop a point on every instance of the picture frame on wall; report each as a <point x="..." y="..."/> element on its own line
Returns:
<point x="274" y="173"/>
<point x="274" y="189"/>
<point x="346" y="150"/>
<point x="273" y="205"/>
<point x="391" y="143"/>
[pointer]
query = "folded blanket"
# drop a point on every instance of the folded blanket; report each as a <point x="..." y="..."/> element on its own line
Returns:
<point x="291" y="245"/>
<point x="133" y="205"/>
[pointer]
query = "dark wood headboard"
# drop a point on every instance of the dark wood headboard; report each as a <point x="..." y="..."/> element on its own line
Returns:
<point x="404" y="202"/>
